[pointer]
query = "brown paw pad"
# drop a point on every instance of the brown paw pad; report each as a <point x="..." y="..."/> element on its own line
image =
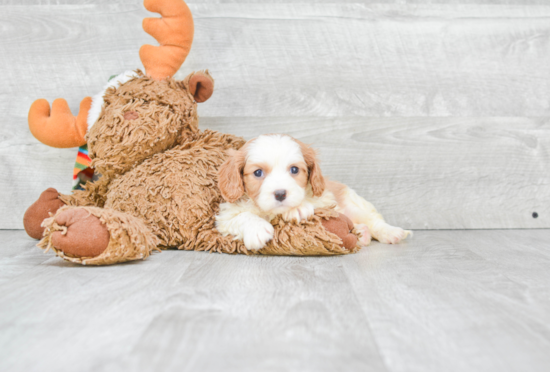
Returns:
<point x="85" y="236"/>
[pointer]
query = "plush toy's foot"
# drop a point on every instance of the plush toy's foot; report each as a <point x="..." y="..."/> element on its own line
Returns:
<point x="47" y="203"/>
<point x="342" y="227"/>
<point x="97" y="236"/>
<point x="349" y="241"/>
<point x="84" y="236"/>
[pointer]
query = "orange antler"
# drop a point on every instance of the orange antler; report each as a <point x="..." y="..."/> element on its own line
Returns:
<point x="174" y="32"/>
<point x="60" y="129"/>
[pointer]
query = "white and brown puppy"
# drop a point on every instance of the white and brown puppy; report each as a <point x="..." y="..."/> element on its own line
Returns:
<point x="277" y="174"/>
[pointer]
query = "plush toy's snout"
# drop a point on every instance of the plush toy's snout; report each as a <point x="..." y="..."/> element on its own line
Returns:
<point x="131" y="115"/>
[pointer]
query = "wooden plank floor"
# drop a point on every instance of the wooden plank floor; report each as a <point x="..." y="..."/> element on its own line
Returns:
<point x="442" y="301"/>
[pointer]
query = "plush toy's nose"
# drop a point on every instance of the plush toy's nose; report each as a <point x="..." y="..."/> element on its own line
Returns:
<point x="280" y="195"/>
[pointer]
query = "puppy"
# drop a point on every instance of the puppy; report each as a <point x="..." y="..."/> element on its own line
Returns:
<point x="277" y="174"/>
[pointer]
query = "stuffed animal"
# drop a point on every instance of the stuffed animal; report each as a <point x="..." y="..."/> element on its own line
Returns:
<point x="158" y="172"/>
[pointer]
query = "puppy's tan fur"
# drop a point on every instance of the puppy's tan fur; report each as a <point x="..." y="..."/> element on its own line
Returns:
<point x="316" y="178"/>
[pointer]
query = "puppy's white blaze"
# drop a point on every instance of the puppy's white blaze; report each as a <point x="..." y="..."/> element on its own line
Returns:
<point x="274" y="149"/>
<point x="279" y="152"/>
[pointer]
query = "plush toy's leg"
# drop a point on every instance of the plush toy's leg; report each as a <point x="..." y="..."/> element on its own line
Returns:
<point x="47" y="203"/>
<point x="50" y="201"/>
<point x="93" y="194"/>
<point x="97" y="236"/>
<point x="311" y="237"/>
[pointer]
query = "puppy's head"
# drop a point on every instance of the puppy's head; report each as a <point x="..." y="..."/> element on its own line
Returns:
<point x="274" y="170"/>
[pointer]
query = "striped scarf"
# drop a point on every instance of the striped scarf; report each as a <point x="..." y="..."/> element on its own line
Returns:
<point x="82" y="172"/>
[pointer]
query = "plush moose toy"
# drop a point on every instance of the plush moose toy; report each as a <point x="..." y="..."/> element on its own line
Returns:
<point x="158" y="172"/>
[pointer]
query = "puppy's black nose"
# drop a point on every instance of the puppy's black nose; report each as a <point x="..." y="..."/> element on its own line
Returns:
<point x="280" y="195"/>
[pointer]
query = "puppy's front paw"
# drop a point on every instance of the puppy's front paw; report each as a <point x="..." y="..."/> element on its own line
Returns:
<point x="257" y="234"/>
<point x="392" y="235"/>
<point x="302" y="212"/>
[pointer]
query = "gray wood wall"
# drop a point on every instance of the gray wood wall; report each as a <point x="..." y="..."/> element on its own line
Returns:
<point x="438" y="112"/>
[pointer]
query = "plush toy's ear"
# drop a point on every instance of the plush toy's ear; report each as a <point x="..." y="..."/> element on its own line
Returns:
<point x="230" y="176"/>
<point x="200" y="85"/>
<point x="316" y="178"/>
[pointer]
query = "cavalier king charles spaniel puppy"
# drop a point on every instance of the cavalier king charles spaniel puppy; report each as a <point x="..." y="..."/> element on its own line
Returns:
<point x="276" y="174"/>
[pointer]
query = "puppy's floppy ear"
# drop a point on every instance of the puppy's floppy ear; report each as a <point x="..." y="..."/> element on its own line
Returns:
<point x="316" y="178"/>
<point x="230" y="176"/>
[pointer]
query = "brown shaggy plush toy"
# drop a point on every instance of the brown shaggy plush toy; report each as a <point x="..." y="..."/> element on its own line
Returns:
<point x="159" y="172"/>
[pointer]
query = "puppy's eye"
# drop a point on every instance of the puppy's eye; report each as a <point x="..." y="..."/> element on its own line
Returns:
<point x="294" y="170"/>
<point x="258" y="173"/>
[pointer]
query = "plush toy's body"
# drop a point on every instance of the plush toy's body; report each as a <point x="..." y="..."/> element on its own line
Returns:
<point x="159" y="172"/>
